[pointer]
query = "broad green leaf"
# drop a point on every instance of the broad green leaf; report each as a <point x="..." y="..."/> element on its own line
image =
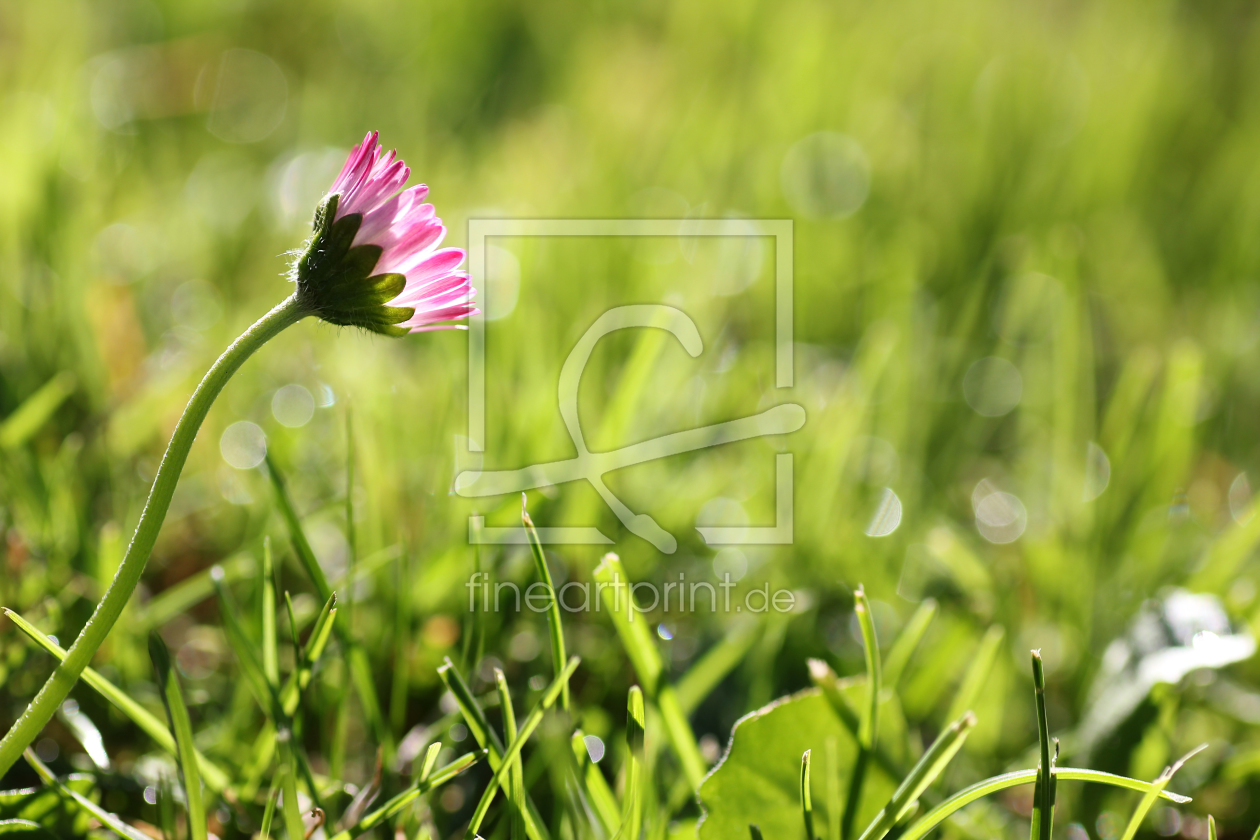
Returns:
<point x="758" y="780"/>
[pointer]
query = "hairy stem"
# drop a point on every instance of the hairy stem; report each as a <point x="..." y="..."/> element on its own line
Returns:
<point x="58" y="685"/>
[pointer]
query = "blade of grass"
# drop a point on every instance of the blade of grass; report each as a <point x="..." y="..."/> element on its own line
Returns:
<point x="516" y="779"/>
<point x="402" y="800"/>
<point x="558" y="657"/>
<point x="269" y="813"/>
<point x="978" y="671"/>
<point x="110" y="821"/>
<point x="1157" y="786"/>
<point x="271" y="660"/>
<point x="754" y="832"/>
<point x="513" y="750"/>
<point x="637" y="641"/>
<point x="292" y="814"/>
<point x="807" y="798"/>
<point x="992" y="785"/>
<point x="181" y="728"/>
<point x="430" y="760"/>
<point x="868" y="724"/>
<point x="632" y="810"/>
<point x="593" y="786"/>
<point x="907" y="642"/>
<point x="486" y="738"/>
<point x="924" y="772"/>
<point x="1043" y="796"/>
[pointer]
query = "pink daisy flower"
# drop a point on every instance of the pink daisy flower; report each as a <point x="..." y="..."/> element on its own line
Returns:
<point x="374" y="260"/>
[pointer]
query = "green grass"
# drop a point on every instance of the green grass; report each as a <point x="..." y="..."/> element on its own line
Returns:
<point x="1071" y="188"/>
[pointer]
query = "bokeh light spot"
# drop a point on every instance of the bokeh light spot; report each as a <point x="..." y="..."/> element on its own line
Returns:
<point x="992" y="386"/>
<point x="243" y="445"/>
<point x="293" y="406"/>
<point x="825" y="176"/>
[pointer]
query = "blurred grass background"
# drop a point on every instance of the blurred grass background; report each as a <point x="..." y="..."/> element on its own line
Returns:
<point x="1067" y="188"/>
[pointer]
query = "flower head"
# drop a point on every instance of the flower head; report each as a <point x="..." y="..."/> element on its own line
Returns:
<point x="373" y="260"/>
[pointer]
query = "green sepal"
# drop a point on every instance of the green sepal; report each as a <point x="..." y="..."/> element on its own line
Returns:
<point x="336" y="282"/>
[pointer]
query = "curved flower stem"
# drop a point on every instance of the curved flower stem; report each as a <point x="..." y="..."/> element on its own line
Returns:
<point x="55" y="689"/>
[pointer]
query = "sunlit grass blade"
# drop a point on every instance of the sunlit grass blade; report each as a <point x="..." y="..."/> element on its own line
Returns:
<point x="316" y="643"/>
<point x="289" y="809"/>
<point x="868" y="723"/>
<point x="271" y="660"/>
<point x="105" y="818"/>
<point x="807" y="797"/>
<point x="1043" y="793"/>
<point x="423" y="785"/>
<point x="554" y="626"/>
<point x="516" y="779"/>
<point x="1211" y="827"/>
<point x="637" y="641"/>
<point x="430" y="760"/>
<point x="85" y="732"/>
<point x="869" y="728"/>
<point x="924" y="772"/>
<point x="269" y="813"/>
<point x="632" y="807"/>
<point x="977" y="675"/>
<point x="594" y="787"/>
<point x="907" y="642"/>
<point x="925" y="824"/>
<point x="513" y="750"/>
<point x="704" y="676"/>
<point x="475" y="719"/>
<point x="1157" y="787"/>
<point x="181" y="728"/>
